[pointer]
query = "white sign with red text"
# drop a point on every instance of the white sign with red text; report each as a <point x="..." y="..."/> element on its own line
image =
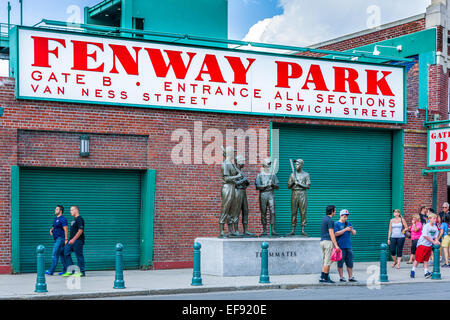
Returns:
<point x="438" y="147"/>
<point x="104" y="70"/>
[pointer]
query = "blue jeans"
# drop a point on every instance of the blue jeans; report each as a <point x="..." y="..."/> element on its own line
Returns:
<point x="58" y="252"/>
<point x="76" y="247"/>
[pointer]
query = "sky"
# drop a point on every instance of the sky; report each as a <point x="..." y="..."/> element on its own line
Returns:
<point x="289" y="22"/>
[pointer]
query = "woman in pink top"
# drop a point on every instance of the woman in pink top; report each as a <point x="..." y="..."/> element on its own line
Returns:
<point x="416" y="232"/>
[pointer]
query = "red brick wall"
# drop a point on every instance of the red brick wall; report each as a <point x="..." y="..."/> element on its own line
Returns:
<point x="376" y="36"/>
<point x="61" y="149"/>
<point x="8" y="150"/>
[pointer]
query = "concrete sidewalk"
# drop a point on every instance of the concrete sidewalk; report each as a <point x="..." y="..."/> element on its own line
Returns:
<point x="98" y="284"/>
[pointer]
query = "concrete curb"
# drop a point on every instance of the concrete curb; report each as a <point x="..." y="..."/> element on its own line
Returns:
<point x="199" y="289"/>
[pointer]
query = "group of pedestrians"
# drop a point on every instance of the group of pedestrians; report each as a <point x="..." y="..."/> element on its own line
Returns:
<point x="66" y="243"/>
<point x="336" y="236"/>
<point x="427" y="229"/>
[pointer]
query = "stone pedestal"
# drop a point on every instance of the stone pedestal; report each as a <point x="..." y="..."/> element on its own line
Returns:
<point x="242" y="256"/>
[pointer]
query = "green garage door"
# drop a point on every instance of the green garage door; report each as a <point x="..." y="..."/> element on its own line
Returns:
<point x="109" y="202"/>
<point x="350" y="168"/>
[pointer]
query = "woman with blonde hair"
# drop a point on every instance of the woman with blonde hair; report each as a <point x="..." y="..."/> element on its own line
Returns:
<point x="396" y="237"/>
<point x="416" y="232"/>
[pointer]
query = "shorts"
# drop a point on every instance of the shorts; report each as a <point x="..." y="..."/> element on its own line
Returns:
<point x="327" y="249"/>
<point x="423" y="254"/>
<point x="446" y="242"/>
<point x="347" y="257"/>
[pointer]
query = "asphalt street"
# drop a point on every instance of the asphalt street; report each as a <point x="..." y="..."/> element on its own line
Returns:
<point x="414" y="291"/>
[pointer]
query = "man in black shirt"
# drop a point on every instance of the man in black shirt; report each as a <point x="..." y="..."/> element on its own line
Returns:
<point x="327" y="242"/>
<point x="423" y="215"/>
<point x="75" y="243"/>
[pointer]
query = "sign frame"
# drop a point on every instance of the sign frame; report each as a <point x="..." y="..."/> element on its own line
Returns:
<point x="14" y="36"/>
<point x="429" y="132"/>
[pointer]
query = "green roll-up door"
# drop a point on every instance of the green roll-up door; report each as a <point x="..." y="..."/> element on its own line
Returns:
<point x="109" y="202"/>
<point x="350" y="168"/>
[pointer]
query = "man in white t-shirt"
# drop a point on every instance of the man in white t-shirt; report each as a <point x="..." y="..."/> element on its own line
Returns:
<point x="429" y="236"/>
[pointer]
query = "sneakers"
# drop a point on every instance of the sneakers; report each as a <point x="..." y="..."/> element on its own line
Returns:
<point x="61" y="273"/>
<point x="352" y="280"/>
<point x="326" y="279"/>
<point x="428" y="275"/>
<point x="413" y="274"/>
<point x="48" y="273"/>
<point x="322" y="277"/>
<point x="342" y="280"/>
<point x="79" y="274"/>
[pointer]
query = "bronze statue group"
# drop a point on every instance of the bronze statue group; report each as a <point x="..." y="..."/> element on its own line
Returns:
<point x="234" y="197"/>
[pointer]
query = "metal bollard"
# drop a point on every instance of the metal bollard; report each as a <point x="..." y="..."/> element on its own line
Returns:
<point x="197" y="275"/>
<point x="41" y="286"/>
<point x="264" y="277"/>
<point x="383" y="263"/>
<point x="119" y="283"/>
<point x="436" y="268"/>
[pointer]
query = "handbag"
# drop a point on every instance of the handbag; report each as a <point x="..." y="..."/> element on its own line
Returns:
<point x="336" y="255"/>
<point x="406" y="232"/>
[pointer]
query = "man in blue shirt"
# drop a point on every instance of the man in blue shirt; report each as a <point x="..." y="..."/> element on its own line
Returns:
<point x="59" y="231"/>
<point x="343" y="231"/>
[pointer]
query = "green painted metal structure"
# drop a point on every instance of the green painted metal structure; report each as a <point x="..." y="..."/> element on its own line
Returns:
<point x="15" y="225"/>
<point x="196" y="272"/>
<point x="357" y="169"/>
<point x="264" y="275"/>
<point x="398" y="158"/>
<point x="148" y="185"/>
<point x="436" y="263"/>
<point x="117" y="205"/>
<point x="119" y="282"/>
<point x="412" y="44"/>
<point x="207" y="18"/>
<point x="383" y="262"/>
<point x="40" y="286"/>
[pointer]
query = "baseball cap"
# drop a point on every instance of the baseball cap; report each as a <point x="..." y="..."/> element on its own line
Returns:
<point x="344" y="212"/>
